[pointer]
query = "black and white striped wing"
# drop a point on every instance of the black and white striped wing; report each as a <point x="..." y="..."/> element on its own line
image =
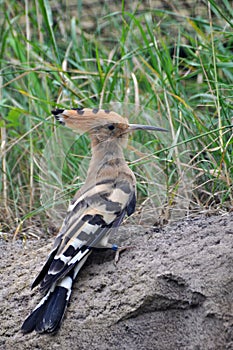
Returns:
<point x="86" y="226"/>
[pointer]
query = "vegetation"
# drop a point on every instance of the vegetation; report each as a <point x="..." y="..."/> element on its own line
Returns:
<point x="159" y="66"/>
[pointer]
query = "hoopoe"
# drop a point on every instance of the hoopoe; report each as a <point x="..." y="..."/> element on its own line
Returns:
<point x="100" y="205"/>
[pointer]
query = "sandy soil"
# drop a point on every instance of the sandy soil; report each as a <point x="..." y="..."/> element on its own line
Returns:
<point x="173" y="290"/>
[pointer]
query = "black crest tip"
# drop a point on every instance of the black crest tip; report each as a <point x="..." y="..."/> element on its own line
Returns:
<point x="55" y="112"/>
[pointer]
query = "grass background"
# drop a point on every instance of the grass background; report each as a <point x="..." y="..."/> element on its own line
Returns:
<point x="171" y="65"/>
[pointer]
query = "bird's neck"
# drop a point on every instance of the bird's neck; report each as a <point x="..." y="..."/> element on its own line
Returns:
<point x="107" y="160"/>
<point x="111" y="146"/>
<point x="106" y="151"/>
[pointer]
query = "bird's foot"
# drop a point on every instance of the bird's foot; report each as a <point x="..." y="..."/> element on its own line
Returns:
<point x="119" y="250"/>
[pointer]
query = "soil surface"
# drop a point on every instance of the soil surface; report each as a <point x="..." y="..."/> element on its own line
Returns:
<point x="173" y="290"/>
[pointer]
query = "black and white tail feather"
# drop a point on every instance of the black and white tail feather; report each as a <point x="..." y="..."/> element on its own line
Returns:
<point x="48" y="315"/>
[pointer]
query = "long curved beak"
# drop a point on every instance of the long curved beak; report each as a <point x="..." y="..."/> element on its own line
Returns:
<point x="133" y="127"/>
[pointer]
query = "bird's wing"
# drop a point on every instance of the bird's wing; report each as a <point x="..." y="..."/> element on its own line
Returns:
<point x="88" y="221"/>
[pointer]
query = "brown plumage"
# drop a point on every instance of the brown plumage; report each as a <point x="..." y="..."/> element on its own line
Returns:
<point x="100" y="205"/>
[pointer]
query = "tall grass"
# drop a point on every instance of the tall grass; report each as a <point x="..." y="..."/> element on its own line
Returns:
<point x="172" y="68"/>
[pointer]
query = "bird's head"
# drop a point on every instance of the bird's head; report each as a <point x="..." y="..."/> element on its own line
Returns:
<point x="102" y="125"/>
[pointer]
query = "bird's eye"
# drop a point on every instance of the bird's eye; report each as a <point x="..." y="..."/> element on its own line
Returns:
<point x="111" y="127"/>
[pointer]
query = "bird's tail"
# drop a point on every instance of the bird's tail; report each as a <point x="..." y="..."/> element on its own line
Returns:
<point x="48" y="314"/>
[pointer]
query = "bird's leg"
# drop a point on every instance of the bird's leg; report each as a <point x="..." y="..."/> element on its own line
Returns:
<point x="115" y="248"/>
<point x="119" y="250"/>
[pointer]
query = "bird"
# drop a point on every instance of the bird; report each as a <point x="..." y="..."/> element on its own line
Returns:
<point x="98" y="208"/>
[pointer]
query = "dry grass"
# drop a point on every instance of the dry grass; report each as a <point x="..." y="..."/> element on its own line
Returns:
<point x="170" y="68"/>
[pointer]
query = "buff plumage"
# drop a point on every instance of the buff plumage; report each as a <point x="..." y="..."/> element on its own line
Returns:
<point x="99" y="206"/>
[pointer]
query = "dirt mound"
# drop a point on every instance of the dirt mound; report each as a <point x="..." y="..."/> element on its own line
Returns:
<point x="173" y="290"/>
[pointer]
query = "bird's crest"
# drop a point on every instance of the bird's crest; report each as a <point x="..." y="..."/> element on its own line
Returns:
<point x="86" y="119"/>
